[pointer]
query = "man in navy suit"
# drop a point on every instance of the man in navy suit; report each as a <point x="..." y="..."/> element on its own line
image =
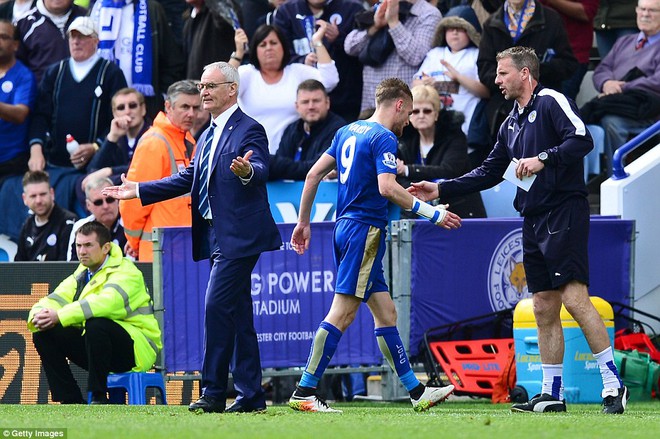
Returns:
<point x="231" y="223"/>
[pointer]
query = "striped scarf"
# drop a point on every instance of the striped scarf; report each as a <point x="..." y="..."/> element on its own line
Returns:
<point x="516" y="22"/>
<point x="141" y="54"/>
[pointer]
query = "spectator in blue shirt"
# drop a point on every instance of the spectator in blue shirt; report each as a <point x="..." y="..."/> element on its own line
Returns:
<point x="18" y="91"/>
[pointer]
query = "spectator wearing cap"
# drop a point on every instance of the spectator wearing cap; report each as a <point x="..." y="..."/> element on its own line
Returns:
<point x="84" y="82"/>
<point x="43" y="34"/>
<point x="451" y="66"/>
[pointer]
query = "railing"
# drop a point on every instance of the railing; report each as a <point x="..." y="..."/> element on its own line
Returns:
<point x="617" y="166"/>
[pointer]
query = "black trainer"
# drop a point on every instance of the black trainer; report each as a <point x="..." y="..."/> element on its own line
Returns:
<point x="542" y="403"/>
<point x="615" y="400"/>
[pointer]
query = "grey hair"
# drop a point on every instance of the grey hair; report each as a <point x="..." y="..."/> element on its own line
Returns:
<point x="228" y="71"/>
<point x="522" y="57"/>
<point x="187" y="87"/>
<point x="97" y="183"/>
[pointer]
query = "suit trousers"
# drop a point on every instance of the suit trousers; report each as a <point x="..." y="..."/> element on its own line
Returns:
<point x="230" y="340"/>
<point x="103" y="348"/>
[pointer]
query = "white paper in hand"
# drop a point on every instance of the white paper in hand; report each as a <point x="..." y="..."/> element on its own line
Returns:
<point x="510" y="175"/>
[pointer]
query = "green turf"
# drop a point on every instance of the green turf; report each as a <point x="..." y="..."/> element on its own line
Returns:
<point x="359" y="420"/>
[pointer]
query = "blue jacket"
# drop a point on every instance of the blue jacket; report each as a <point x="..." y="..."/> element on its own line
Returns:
<point x="550" y="122"/>
<point x="242" y="221"/>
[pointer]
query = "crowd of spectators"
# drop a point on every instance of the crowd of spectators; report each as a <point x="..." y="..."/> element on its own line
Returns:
<point x="81" y="82"/>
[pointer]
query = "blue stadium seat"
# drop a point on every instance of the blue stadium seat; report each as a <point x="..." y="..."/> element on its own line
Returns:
<point x="136" y="384"/>
<point x="498" y="201"/>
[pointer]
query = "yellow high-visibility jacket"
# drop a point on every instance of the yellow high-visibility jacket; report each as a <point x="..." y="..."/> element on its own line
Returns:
<point x="116" y="292"/>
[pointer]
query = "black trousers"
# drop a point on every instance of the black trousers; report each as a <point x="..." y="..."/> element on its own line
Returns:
<point x="105" y="347"/>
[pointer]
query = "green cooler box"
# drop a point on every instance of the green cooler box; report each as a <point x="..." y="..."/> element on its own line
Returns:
<point x="582" y="381"/>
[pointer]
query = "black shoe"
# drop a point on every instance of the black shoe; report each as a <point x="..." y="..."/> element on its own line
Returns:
<point x="543" y="403"/>
<point x="99" y="398"/>
<point x="207" y="404"/>
<point x="615" y="400"/>
<point x="237" y="407"/>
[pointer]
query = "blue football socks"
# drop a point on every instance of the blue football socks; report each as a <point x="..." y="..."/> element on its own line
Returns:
<point x="323" y="348"/>
<point x="391" y="346"/>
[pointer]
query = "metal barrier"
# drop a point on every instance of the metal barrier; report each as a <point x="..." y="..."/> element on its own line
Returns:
<point x="618" y="172"/>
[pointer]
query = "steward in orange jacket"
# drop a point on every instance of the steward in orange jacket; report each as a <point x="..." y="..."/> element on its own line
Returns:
<point x="165" y="149"/>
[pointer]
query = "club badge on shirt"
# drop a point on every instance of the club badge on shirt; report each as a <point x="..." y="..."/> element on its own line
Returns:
<point x="532" y="116"/>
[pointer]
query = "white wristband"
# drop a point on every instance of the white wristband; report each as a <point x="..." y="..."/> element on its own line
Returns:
<point x="435" y="214"/>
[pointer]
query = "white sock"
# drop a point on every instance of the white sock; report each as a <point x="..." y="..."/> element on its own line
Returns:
<point x="553" y="384"/>
<point x="608" y="370"/>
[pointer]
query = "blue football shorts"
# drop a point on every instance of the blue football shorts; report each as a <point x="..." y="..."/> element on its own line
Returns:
<point x="359" y="250"/>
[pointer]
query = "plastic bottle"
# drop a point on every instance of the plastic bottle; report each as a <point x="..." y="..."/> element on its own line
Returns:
<point x="72" y="144"/>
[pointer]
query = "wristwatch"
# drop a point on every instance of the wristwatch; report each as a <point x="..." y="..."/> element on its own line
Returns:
<point x="236" y="57"/>
<point x="543" y="157"/>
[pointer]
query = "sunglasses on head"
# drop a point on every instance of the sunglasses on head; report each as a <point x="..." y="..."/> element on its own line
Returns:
<point x="131" y="105"/>
<point x="108" y="200"/>
<point x="425" y="111"/>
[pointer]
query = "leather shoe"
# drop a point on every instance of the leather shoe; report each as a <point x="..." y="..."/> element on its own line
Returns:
<point x="237" y="407"/>
<point x="207" y="404"/>
<point x="98" y="399"/>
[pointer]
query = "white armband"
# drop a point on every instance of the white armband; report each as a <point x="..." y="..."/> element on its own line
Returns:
<point x="435" y="214"/>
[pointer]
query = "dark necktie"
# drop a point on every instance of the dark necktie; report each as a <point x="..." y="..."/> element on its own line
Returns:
<point x="204" y="165"/>
<point x="641" y="43"/>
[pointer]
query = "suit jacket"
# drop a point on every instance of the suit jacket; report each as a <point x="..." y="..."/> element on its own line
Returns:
<point x="242" y="221"/>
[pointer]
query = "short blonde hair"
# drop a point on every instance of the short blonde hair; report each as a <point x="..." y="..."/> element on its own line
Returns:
<point x="427" y="93"/>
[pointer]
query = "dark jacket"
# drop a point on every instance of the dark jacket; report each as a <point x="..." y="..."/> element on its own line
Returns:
<point x="283" y="165"/>
<point x="345" y="99"/>
<point x="207" y="38"/>
<point x="447" y="159"/>
<point x="42" y="43"/>
<point x="49" y="242"/>
<point x="7" y="9"/>
<point x="632" y="104"/>
<point x="60" y="110"/>
<point x="116" y="156"/>
<point x="550" y="123"/>
<point x="544" y="31"/>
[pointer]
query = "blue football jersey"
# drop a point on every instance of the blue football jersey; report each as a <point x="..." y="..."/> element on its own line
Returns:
<point x="363" y="150"/>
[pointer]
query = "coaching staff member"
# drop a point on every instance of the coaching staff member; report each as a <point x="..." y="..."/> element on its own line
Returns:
<point x="546" y="135"/>
<point x="231" y="222"/>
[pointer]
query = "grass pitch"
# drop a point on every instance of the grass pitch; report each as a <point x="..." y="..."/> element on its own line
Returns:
<point x="474" y="419"/>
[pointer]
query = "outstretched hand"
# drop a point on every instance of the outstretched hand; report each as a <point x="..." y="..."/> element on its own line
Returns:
<point x="127" y="190"/>
<point x="241" y="166"/>
<point x="424" y="190"/>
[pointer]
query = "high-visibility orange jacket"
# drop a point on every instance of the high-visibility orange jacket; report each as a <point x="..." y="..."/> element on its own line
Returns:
<point x="160" y="153"/>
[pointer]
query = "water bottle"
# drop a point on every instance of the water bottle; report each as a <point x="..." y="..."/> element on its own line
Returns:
<point x="72" y="144"/>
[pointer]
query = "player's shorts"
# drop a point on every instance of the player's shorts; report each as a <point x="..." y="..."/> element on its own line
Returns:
<point x="359" y="250"/>
<point x="555" y="246"/>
